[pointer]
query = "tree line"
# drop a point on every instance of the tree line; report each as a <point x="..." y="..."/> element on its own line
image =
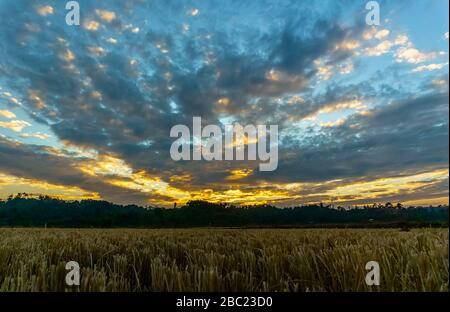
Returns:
<point x="44" y="211"/>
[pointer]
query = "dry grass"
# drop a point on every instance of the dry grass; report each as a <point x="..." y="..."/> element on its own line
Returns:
<point x="223" y="259"/>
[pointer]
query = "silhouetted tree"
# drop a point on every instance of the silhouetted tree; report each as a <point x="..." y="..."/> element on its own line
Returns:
<point x="40" y="210"/>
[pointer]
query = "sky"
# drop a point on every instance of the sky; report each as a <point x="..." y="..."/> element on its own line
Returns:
<point x="362" y="110"/>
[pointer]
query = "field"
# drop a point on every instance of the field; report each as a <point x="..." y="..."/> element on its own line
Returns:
<point x="224" y="259"/>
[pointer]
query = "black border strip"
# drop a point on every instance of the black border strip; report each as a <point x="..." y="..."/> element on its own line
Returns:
<point x="167" y="301"/>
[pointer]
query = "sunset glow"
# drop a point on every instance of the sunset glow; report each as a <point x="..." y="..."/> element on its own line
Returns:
<point x="362" y="111"/>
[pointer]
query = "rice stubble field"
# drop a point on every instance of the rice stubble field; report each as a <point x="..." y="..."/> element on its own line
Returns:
<point x="294" y="260"/>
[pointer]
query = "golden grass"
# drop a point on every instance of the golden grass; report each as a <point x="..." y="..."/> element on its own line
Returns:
<point x="223" y="259"/>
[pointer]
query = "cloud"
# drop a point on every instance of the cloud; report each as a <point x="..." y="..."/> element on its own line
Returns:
<point x="37" y="135"/>
<point x="107" y="16"/>
<point x="238" y="174"/>
<point x="91" y="25"/>
<point x="7" y="114"/>
<point x="439" y="82"/>
<point x="118" y="84"/>
<point x="407" y="134"/>
<point x="373" y="32"/>
<point x="10" y="185"/>
<point x="380" y="49"/>
<point x="355" y="104"/>
<point x="111" y="40"/>
<point x="346" y="68"/>
<point x="99" y="51"/>
<point x="405" y="52"/>
<point x="32" y="162"/>
<point x="44" y="10"/>
<point x="325" y="72"/>
<point x="194" y="12"/>
<point x="414" y="56"/>
<point x="382" y="34"/>
<point x="349" y="45"/>
<point x="336" y="123"/>
<point x="430" y="67"/>
<point x="67" y="55"/>
<point x="14" y="125"/>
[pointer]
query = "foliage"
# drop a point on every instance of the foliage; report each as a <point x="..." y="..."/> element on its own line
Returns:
<point x="44" y="211"/>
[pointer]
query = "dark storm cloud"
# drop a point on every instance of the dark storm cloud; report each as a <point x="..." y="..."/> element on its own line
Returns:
<point x="410" y="133"/>
<point x="134" y="109"/>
